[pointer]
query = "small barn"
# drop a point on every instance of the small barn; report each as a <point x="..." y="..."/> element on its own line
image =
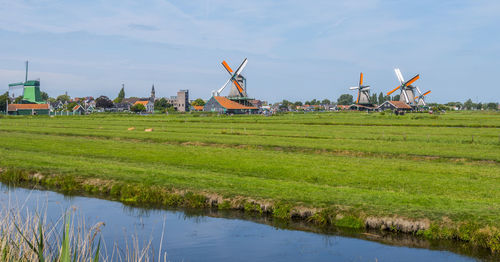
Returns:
<point x="394" y="106"/>
<point x="224" y="105"/>
<point x="28" y="109"/>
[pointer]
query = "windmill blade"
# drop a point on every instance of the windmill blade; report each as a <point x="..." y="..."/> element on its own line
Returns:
<point x="224" y="86"/>
<point x="241" y="67"/>
<point x="406" y="96"/>
<point x="426" y="93"/>
<point x="418" y="89"/>
<point x="361" y="79"/>
<point x="226" y="66"/>
<point x="238" y="86"/>
<point x="354" y="87"/>
<point x="411" y="81"/>
<point x="16" y="85"/>
<point x="393" y="90"/>
<point x="399" y="75"/>
<point x="363" y="88"/>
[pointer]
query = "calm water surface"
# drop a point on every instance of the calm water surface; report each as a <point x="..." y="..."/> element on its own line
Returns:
<point x="194" y="237"/>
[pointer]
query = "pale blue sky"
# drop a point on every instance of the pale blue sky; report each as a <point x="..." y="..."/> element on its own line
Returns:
<point x="297" y="50"/>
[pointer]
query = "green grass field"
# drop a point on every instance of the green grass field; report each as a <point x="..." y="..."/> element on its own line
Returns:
<point x="418" y="166"/>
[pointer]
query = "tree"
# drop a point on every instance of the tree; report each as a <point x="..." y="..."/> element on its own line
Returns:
<point x="4" y="99"/>
<point x="326" y="101"/>
<point x="492" y="106"/>
<point x="18" y="100"/>
<point x="468" y="105"/>
<point x="138" y="108"/>
<point x="63" y="98"/>
<point x="373" y="99"/>
<point x="162" y="104"/>
<point x="345" y="99"/>
<point x="70" y="106"/>
<point x="103" y="102"/>
<point x="285" y="103"/>
<point x="381" y="98"/>
<point x="396" y="98"/>
<point x="121" y="96"/>
<point x="198" y="102"/>
<point x="44" y="96"/>
<point x="298" y="103"/>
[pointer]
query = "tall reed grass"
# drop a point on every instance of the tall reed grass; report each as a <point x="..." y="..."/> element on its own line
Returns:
<point x="29" y="235"/>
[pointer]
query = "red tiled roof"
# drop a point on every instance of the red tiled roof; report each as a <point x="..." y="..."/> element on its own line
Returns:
<point x="141" y="102"/>
<point x="399" y="104"/>
<point x="15" y="107"/>
<point x="76" y="107"/>
<point x="228" y="104"/>
<point x="198" y="108"/>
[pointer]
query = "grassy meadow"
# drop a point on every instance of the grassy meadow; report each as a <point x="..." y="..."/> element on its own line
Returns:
<point x="439" y="168"/>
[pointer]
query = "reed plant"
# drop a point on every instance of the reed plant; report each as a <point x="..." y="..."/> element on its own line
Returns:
<point x="29" y="235"/>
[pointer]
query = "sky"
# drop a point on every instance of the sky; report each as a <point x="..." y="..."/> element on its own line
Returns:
<point x="296" y="50"/>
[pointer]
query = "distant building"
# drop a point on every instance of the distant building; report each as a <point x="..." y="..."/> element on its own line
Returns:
<point x="197" y="108"/>
<point x="181" y="101"/>
<point x="28" y="109"/>
<point x="394" y="105"/>
<point x="223" y="105"/>
<point x="150" y="106"/>
<point x="78" y="110"/>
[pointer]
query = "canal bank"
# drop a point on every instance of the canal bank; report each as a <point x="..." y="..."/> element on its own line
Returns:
<point x="279" y="212"/>
<point x="221" y="235"/>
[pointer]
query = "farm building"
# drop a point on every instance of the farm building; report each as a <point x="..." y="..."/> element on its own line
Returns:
<point x="226" y="106"/>
<point x="360" y="107"/>
<point x="394" y="105"/>
<point x="28" y="109"/>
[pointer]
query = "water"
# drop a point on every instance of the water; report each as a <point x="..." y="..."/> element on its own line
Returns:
<point x="214" y="236"/>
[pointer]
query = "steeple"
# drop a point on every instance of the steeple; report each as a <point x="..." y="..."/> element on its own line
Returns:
<point x="152" y="97"/>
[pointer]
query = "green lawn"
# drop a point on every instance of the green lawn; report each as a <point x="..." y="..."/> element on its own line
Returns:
<point x="415" y="166"/>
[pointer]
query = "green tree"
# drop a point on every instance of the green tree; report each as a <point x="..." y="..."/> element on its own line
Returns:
<point x="162" y="104"/>
<point x="138" y="108"/>
<point x="4" y="99"/>
<point x="198" y="102"/>
<point x="121" y="96"/>
<point x="63" y="98"/>
<point x="396" y="98"/>
<point x="326" y="101"/>
<point x="18" y="100"/>
<point x="345" y="99"/>
<point x="44" y="96"/>
<point x="70" y="106"/>
<point x="492" y="106"/>
<point x="298" y="103"/>
<point x="381" y="98"/>
<point x="373" y="99"/>
<point x="468" y="105"/>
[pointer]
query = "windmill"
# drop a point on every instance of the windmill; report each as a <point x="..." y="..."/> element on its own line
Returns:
<point x="31" y="89"/>
<point x="19" y="84"/>
<point x="363" y="92"/>
<point x="421" y="98"/>
<point x="239" y="82"/>
<point x="407" y="90"/>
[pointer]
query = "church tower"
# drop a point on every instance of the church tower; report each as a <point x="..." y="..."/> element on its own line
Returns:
<point x="152" y="97"/>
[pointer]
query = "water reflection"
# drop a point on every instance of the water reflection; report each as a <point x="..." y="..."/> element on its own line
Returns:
<point x="211" y="235"/>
